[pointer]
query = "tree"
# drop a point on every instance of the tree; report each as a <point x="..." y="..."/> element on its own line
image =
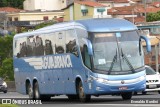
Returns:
<point x="153" y="17"/>
<point x="7" y="69"/>
<point x="6" y="47"/>
<point x="6" y="53"/>
<point x="12" y="3"/>
<point x="45" y="24"/>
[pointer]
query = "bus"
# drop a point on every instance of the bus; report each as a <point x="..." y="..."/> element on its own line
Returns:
<point x="80" y="59"/>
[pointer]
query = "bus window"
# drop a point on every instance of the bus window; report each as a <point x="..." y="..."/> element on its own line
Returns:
<point x="48" y="47"/>
<point x="39" y="50"/>
<point x="23" y="49"/>
<point x="71" y="46"/>
<point x="60" y="42"/>
<point x="30" y="45"/>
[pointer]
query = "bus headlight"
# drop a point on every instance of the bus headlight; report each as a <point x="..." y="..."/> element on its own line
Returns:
<point x="100" y="80"/>
<point x="4" y="84"/>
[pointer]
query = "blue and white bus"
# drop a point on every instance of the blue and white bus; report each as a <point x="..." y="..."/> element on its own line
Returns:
<point x="79" y="59"/>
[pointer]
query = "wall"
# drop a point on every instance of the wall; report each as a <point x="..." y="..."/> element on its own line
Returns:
<point x="11" y="86"/>
<point x="120" y="4"/>
<point x="42" y="4"/>
<point x="35" y="16"/>
<point x="28" y="4"/>
<point x="78" y="13"/>
<point x="98" y="14"/>
<point x="67" y="14"/>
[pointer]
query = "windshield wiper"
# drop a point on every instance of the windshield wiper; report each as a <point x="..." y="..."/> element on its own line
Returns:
<point x="127" y="61"/>
<point x="113" y="61"/>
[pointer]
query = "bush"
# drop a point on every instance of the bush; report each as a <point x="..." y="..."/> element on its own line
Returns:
<point x="7" y="69"/>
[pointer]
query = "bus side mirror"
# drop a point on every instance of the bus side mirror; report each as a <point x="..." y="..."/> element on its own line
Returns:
<point x="89" y="46"/>
<point x="148" y="43"/>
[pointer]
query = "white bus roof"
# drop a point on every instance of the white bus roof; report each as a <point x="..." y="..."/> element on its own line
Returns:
<point x="91" y="25"/>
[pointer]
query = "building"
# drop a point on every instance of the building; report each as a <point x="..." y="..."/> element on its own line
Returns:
<point x="46" y="4"/>
<point x="85" y="9"/>
<point x="3" y="19"/>
<point x="35" y="15"/>
<point x="118" y="3"/>
<point x="32" y="18"/>
<point x="134" y="13"/>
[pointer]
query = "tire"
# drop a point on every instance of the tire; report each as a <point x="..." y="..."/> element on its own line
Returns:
<point x="5" y="91"/>
<point x="37" y="94"/>
<point x="144" y="92"/>
<point x="159" y="92"/>
<point x="36" y="91"/>
<point x="126" y="96"/>
<point x="82" y="96"/>
<point x="72" y="97"/>
<point x="30" y="91"/>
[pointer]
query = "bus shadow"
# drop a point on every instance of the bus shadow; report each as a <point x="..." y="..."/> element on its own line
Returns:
<point x="92" y="101"/>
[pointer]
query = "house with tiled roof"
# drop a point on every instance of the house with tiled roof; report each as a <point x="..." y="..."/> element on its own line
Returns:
<point x="9" y="9"/>
<point x="156" y="4"/>
<point x="108" y="3"/>
<point x="85" y="9"/>
<point x="118" y="3"/>
<point x="134" y="13"/>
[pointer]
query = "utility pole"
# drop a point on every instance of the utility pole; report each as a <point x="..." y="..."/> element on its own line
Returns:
<point x="145" y="11"/>
<point x="133" y="15"/>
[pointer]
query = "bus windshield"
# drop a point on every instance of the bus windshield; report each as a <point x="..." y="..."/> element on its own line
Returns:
<point x="116" y="51"/>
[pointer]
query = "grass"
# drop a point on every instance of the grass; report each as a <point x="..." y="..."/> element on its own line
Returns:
<point x="8" y="105"/>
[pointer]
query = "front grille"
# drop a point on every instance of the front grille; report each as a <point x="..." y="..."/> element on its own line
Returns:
<point x="152" y="81"/>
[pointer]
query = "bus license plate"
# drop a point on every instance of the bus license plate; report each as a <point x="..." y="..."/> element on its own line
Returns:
<point x="123" y="88"/>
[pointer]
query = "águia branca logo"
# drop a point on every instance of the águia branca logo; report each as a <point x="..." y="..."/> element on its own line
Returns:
<point x="50" y="62"/>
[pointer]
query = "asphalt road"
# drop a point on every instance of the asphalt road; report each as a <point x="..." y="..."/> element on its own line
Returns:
<point x="102" y="101"/>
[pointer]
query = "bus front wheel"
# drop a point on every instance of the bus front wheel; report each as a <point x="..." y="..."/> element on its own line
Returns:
<point x="82" y="96"/>
<point x="126" y="96"/>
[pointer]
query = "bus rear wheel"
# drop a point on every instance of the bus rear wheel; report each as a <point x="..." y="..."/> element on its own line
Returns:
<point x="37" y="94"/>
<point x="36" y="91"/>
<point x="30" y="91"/>
<point x="82" y="96"/>
<point x="127" y="95"/>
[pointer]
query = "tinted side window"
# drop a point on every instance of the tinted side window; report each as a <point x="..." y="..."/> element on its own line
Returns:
<point x="21" y="47"/>
<point x="49" y="43"/>
<point x="35" y="45"/>
<point x="39" y="50"/>
<point x="60" y="42"/>
<point x="71" y="46"/>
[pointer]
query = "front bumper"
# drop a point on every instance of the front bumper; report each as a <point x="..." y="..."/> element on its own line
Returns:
<point x="102" y="89"/>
